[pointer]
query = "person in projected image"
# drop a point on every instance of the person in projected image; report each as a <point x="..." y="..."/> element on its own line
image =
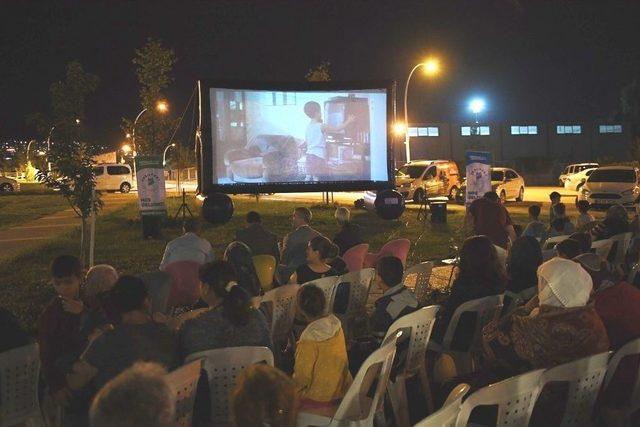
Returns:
<point x="315" y="140"/>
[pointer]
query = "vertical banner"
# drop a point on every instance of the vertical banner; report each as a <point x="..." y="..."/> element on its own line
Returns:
<point x="478" y="173"/>
<point x="151" y="189"/>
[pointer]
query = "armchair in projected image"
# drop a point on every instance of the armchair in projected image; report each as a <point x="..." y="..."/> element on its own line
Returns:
<point x="266" y="158"/>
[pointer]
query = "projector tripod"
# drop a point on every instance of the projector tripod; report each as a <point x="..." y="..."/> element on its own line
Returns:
<point x="423" y="210"/>
<point x="184" y="208"/>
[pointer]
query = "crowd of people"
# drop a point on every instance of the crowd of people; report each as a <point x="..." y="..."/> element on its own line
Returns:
<point x="105" y="354"/>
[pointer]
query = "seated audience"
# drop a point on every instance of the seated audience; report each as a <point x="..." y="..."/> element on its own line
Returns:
<point x="584" y="239"/>
<point x="321" y="369"/>
<point x="535" y="228"/>
<point x="139" y="396"/>
<point x="264" y="396"/>
<point x="319" y="252"/>
<point x="554" y="197"/>
<point x="295" y="244"/>
<point x="568" y="249"/>
<point x="229" y="321"/>
<point x="523" y="261"/>
<point x="396" y="300"/>
<point x="260" y="240"/>
<point x="479" y="274"/>
<point x="488" y="217"/>
<point x="350" y="234"/>
<point x="615" y="222"/>
<point x="13" y="336"/>
<point x="188" y="247"/>
<point x="561" y="224"/>
<point x="240" y="256"/>
<point x="59" y="336"/>
<point x="135" y="338"/>
<point x="99" y="281"/>
<point x="553" y="328"/>
<point x="585" y="217"/>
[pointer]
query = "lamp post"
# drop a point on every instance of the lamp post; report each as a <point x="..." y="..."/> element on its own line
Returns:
<point x="49" y="148"/>
<point x="164" y="155"/>
<point x="431" y="68"/>
<point x="162" y="107"/>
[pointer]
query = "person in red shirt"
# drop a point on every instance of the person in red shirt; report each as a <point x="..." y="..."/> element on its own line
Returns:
<point x="59" y="336"/>
<point x="488" y="217"/>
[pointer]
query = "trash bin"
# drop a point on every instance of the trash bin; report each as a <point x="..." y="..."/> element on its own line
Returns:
<point x="438" y="208"/>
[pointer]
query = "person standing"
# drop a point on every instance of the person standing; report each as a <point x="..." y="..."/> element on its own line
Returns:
<point x="489" y="218"/>
<point x="260" y="240"/>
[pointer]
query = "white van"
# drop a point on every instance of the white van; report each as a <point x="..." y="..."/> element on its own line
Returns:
<point x="113" y="177"/>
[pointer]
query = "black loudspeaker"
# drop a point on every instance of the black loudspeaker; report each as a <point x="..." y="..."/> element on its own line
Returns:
<point x="389" y="204"/>
<point x="217" y="208"/>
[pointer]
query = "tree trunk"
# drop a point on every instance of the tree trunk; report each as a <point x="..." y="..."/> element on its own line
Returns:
<point x="83" y="240"/>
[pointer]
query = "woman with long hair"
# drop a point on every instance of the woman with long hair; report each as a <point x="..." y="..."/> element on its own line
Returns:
<point x="320" y="252"/>
<point x="239" y="254"/>
<point x="525" y="256"/>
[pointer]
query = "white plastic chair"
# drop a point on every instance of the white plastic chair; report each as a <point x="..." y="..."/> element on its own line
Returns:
<point x="448" y="414"/>
<point x="486" y="309"/>
<point x="283" y="310"/>
<point x="515" y="398"/>
<point x="183" y="383"/>
<point x="629" y="349"/>
<point x="19" y="371"/>
<point x="357" y="409"/>
<point x="359" y="286"/>
<point x="551" y="242"/>
<point x="417" y="278"/>
<point x="502" y="255"/>
<point x="223" y="367"/>
<point x="585" y="377"/>
<point x="328" y="286"/>
<point x="420" y="323"/>
<point x="602" y="248"/>
<point x="624" y="240"/>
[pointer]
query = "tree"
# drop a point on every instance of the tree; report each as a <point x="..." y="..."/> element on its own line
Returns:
<point x="154" y="64"/>
<point x="70" y="156"/>
<point x="630" y="100"/>
<point x="320" y="73"/>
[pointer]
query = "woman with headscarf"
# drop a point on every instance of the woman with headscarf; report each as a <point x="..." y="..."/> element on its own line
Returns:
<point x="615" y="222"/>
<point x="525" y="256"/>
<point x="240" y="256"/>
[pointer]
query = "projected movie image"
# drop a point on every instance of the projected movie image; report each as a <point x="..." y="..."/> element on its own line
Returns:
<point x="298" y="137"/>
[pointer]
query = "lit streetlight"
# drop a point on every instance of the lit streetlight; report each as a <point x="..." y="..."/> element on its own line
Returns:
<point x="161" y="107"/>
<point x="164" y="155"/>
<point x="431" y="67"/>
<point x="126" y="148"/>
<point x="477" y="106"/>
<point x="399" y="128"/>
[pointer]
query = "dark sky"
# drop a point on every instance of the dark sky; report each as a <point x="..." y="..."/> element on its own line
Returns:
<point x="531" y="60"/>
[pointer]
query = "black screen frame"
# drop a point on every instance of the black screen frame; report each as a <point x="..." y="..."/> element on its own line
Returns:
<point x="206" y="160"/>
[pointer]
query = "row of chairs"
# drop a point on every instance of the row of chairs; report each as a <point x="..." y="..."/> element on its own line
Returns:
<point x="612" y="249"/>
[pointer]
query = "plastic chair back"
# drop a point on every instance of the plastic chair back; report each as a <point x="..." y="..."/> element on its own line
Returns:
<point x="398" y="248"/>
<point x="602" y="248"/>
<point x="185" y="289"/>
<point x="328" y="286"/>
<point x="359" y="285"/>
<point x="354" y="256"/>
<point x="502" y="255"/>
<point x="223" y="367"/>
<point x="159" y="286"/>
<point x="448" y="414"/>
<point x="283" y="300"/>
<point x="585" y="377"/>
<point x="183" y="383"/>
<point x="265" y="266"/>
<point x="551" y="242"/>
<point x="629" y="349"/>
<point x="515" y="398"/>
<point x="624" y="240"/>
<point x="417" y="278"/>
<point x="19" y="372"/>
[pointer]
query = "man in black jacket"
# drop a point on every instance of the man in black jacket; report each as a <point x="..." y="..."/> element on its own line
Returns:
<point x="350" y="234"/>
<point x="260" y="240"/>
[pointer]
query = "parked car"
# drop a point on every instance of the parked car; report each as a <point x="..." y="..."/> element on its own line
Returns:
<point x="113" y="177"/>
<point x="576" y="181"/>
<point x="611" y="185"/>
<point x="573" y="169"/>
<point x="8" y="185"/>
<point x="422" y="179"/>
<point x="504" y="181"/>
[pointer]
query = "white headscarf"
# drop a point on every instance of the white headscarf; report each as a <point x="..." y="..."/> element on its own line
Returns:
<point x="563" y="283"/>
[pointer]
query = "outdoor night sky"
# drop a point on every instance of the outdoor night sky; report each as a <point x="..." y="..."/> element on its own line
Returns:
<point x="529" y="59"/>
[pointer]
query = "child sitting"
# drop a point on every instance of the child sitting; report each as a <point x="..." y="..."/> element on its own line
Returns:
<point x="585" y="217"/>
<point x="535" y="228"/>
<point x="321" y="369"/>
<point x="561" y="225"/>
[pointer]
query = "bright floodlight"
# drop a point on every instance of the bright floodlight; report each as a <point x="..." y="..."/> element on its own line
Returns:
<point x="399" y="128"/>
<point x="431" y="66"/>
<point x="477" y="105"/>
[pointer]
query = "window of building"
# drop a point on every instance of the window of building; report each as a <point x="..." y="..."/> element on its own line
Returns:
<point x="424" y="131"/>
<point x="568" y="129"/>
<point x="283" y="98"/>
<point x="413" y="131"/>
<point x="524" y="130"/>
<point x="475" y="130"/>
<point x="610" y="128"/>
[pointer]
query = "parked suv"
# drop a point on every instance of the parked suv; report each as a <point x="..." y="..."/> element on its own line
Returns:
<point x="611" y="185"/>
<point x="421" y="179"/>
<point x="573" y="169"/>
<point x="113" y="177"/>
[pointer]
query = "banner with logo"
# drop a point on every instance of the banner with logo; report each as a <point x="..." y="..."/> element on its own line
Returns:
<point x="478" y="173"/>
<point x="151" y="189"/>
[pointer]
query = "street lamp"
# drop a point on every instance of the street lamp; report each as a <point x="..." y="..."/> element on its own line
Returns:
<point x="164" y="155"/>
<point x="49" y="148"/>
<point x="477" y="106"/>
<point x="399" y="129"/>
<point x="126" y="148"/>
<point x="431" y="68"/>
<point x="29" y="148"/>
<point x="161" y="107"/>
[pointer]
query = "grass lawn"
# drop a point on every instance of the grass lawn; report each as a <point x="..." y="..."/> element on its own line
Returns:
<point x="22" y="207"/>
<point x="24" y="280"/>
